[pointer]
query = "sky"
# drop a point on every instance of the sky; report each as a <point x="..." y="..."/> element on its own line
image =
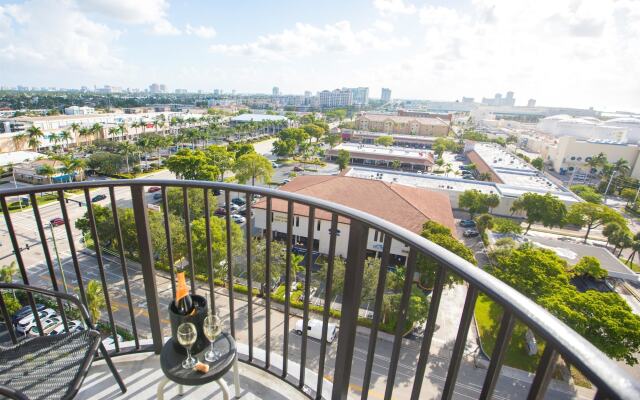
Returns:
<point x="559" y="52"/>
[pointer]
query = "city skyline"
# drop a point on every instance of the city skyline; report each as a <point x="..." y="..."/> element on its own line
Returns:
<point x="561" y="53"/>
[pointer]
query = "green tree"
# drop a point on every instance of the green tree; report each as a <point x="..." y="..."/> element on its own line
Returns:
<point x="343" y="159"/>
<point x="546" y="209"/>
<point x="332" y="139"/>
<point x="610" y="230"/>
<point x="384" y="141"/>
<point x="313" y="130"/>
<point x="240" y="149"/>
<point x="628" y="194"/>
<point x="476" y="202"/>
<point x="253" y="166"/>
<point x="440" y="235"/>
<point x="484" y="222"/>
<point x="105" y="163"/>
<point x="47" y="170"/>
<point x="538" y="163"/>
<point x="592" y="216"/>
<point x="589" y="266"/>
<point x="587" y="193"/>
<point x="192" y="165"/>
<point x="95" y="299"/>
<point x="416" y="312"/>
<point x="218" y="245"/>
<point x="220" y="157"/>
<point x="396" y="164"/>
<point x="506" y="225"/>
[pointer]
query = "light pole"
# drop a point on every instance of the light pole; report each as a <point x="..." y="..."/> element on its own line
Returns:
<point x="609" y="185"/>
<point x="55" y="248"/>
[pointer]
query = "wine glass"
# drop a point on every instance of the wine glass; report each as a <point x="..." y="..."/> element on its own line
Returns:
<point x="187" y="336"/>
<point x="212" y="329"/>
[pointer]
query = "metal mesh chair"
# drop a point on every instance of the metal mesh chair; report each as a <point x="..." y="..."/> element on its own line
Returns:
<point x="50" y="367"/>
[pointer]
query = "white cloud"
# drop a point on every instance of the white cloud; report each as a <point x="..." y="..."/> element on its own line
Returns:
<point x="205" y="32"/>
<point x="152" y="13"/>
<point x="305" y="39"/>
<point x="394" y="7"/>
<point x="52" y="38"/>
<point x="384" y="26"/>
<point x="559" y="51"/>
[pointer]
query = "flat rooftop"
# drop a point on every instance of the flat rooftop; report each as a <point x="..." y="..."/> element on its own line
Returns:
<point x="450" y="183"/>
<point x="385" y="151"/>
<point x="257" y="118"/>
<point x="425" y="180"/>
<point x="18" y="157"/>
<point x="511" y="169"/>
<point x="398" y="137"/>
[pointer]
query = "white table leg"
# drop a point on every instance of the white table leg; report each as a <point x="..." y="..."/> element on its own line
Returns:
<point x="224" y="387"/>
<point x="236" y="377"/>
<point x="160" y="393"/>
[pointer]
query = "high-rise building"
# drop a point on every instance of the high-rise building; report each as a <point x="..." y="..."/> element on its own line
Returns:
<point x="154" y="88"/>
<point x="531" y="103"/>
<point x="385" y="96"/>
<point x="275" y="91"/>
<point x="360" y="96"/>
<point x="497" y="100"/>
<point x="163" y="88"/>
<point x="336" y="98"/>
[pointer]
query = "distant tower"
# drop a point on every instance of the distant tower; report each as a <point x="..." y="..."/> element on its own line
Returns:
<point x="275" y="91"/>
<point x="385" y="95"/>
<point x="531" y="103"/>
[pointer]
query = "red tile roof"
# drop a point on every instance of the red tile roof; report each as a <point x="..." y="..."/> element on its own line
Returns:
<point x="402" y="205"/>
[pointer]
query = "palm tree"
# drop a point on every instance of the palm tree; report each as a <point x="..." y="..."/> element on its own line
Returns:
<point x="122" y="129"/>
<point x="635" y="248"/>
<point x="7" y="272"/>
<point x="95" y="299"/>
<point x="48" y="171"/>
<point x="113" y="131"/>
<point x="84" y="133"/>
<point x="34" y="135"/>
<point x="19" y="140"/>
<point x="65" y="136"/>
<point x="622" y="166"/>
<point x="53" y="138"/>
<point x="95" y="129"/>
<point x="127" y="149"/>
<point x="74" y="166"/>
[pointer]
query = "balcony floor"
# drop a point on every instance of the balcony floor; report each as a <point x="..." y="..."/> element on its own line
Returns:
<point x="142" y="373"/>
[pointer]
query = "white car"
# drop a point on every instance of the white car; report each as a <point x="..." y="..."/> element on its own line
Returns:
<point x="275" y="164"/>
<point x="48" y="325"/>
<point x="74" y="326"/>
<point x="238" y="219"/>
<point x="314" y="330"/>
<point x="29" y="321"/>
<point x="109" y="343"/>
<point x="234" y="208"/>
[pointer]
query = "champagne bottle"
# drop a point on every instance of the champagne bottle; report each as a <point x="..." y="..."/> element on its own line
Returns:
<point x="183" y="302"/>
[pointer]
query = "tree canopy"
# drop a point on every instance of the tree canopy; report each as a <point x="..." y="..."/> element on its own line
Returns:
<point x="604" y="319"/>
<point x="192" y="165"/>
<point x="476" y="202"/>
<point x="592" y="216"/>
<point x="253" y="166"/>
<point x="546" y="209"/>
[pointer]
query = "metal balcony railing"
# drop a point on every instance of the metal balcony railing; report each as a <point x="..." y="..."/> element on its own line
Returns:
<point x="609" y="379"/>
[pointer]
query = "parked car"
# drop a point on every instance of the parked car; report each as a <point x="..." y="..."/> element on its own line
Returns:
<point x="74" y="326"/>
<point x="234" y="208"/>
<point x="314" y="330"/>
<point x="275" y="164"/>
<point x="48" y="325"/>
<point x="238" y="219"/>
<point x="109" y="343"/>
<point x="98" y="198"/>
<point x="29" y="321"/>
<point x="153" y="189"/>
<point x="216" y="192"/>
<point x="243" y="211"/>
<point x="24" y="311"/>
<point x="220" y="212"/>
<point x="238" y="201"/>
<point x="298" y="169"/>
<point x="284" y="182"/>
<point x="157" y="196"/>
<point x="467" y="223"/>
<point x="57" y="222"/>
<point x="459" y="158"/>
<point x="469" y="177"/>
<point x="470" y="233"/>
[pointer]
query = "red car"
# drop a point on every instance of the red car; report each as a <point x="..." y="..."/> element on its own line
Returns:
<point x="57" y="222"/>
<point x="220" y="212"/>
<point x="153" y="189"/>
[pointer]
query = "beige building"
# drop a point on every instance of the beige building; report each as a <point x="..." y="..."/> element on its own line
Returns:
<point x="570" y="153"/>
<point x="402" y="125"/>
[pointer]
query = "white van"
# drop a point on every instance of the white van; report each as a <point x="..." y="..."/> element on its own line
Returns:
<point x="314" y="330"/>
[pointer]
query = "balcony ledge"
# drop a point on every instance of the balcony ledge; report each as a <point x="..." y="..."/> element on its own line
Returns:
<point x="141" y="373"/>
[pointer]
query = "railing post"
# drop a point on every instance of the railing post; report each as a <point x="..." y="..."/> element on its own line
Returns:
<point x="354" y="269"/>
<point x="147" y="264"/>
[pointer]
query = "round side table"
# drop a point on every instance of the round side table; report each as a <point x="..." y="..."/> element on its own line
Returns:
<point x="171" y="363"/>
